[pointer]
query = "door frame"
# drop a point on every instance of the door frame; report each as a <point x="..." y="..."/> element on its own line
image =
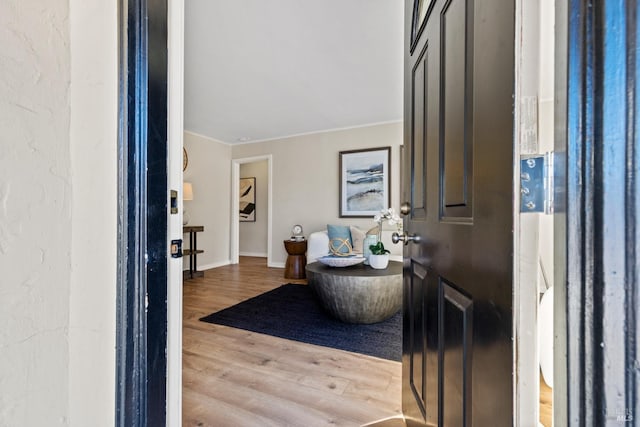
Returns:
<point x="526" y="232"/>
<point x="597" y="241"/>
<point x="596" y="259"/>
<point x="175" y="101"/>
<point x="161" y="401"/>
<point x="235" y="207"/>
<point x="578" y="402"/>
<point x="143" y="225"/>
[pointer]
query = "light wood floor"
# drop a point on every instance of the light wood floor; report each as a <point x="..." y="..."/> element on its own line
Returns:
<point x="233" y="377"/>
<point x="546" y="404"/>
<point x="237" y="378"/>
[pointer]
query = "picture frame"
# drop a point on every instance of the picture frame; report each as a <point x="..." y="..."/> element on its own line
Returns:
<point x="365" y="182"/>
<point x="248" y="199"/>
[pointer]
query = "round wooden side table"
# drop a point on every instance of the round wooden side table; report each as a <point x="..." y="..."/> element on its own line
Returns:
<point x="297" y="260"/>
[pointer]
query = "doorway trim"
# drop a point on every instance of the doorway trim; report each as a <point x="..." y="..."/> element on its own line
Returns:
<point x="235" y="206"/>
<point x="142" y="281"/>
<point x="598" y="212"/>
<point x="175" y="134"/>
<point x="527" y="226"/>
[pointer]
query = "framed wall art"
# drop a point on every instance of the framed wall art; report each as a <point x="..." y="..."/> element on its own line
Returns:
<point x="248" y="199"/>
<point x="365" y="187"/>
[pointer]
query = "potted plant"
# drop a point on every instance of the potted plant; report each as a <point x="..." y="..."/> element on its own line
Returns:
<point x="384" y="215"/>
<point x="379" y="258"/>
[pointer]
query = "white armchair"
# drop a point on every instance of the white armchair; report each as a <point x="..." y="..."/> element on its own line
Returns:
<point x="318" y="246"/>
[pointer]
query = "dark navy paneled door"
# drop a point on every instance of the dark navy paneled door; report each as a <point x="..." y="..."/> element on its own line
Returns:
<point x="458" y="206"/>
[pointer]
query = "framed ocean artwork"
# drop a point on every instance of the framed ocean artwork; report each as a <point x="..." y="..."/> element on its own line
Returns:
<point x="365" y="182"/>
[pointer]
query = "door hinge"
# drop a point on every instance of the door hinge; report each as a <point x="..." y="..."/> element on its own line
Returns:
<point x="536" y="183"/>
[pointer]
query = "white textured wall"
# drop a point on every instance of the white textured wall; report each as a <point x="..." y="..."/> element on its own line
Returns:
<point x="306" y="177"/>
<point x="35" y="212"/>
<point x="94" y="93"/>
<point x="209" y="171"/>
<point x="253" y="235"/>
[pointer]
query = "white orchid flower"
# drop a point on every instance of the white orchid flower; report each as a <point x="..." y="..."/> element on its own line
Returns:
<point x="388" y="215"/>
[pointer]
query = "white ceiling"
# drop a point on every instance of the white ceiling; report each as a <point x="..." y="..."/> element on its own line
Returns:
<point x="264" y="69"/>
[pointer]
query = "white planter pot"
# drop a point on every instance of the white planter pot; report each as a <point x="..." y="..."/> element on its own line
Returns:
<point x="379" y="261"/>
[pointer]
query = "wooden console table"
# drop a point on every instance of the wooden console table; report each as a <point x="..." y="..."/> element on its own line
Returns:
<point x="192" y="252"/>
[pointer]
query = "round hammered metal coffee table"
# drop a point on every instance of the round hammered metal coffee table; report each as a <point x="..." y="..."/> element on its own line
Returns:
<point x="358" y="294"/>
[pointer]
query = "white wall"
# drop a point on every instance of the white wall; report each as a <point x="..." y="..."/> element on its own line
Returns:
<point x="94" y="89"/>
<point x="35" y="212"/>
<point x="209" y="171"/>
<point x="253" y="235"/>
<point x="306" y="177"/>
<point x="58" y="108"/>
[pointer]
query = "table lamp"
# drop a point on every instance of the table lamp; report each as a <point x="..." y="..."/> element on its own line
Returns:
<point x="187" y="194"/>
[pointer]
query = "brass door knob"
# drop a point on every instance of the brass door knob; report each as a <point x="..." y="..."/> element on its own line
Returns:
<point x="405" y="208"/>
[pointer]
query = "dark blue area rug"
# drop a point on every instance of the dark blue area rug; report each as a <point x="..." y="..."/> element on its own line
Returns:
<point x="292" y="312"/>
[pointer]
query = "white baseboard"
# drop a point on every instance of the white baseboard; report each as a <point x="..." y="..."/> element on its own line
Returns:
<point x="254" y="254"/>
<point x="202" y="267"/>
<point x="276" y="265"/>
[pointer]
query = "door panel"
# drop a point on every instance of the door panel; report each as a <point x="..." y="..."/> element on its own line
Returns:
<point x="417" y="340"/>
<point x="457" y="353"/>
<point x="457" y="176"/>
<point x="455" y="138"/>
<point x="420" y="129"/>
<point x="423" y="341"/>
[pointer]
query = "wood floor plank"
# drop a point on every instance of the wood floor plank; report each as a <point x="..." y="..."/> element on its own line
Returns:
<point x="546" y="403"/>
<point x="233" y="377"/>
<point x="204" y="411"/>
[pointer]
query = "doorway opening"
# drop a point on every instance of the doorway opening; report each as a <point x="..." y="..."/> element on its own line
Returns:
<point x="251" y="226"/>
<point x="254" y="178"/>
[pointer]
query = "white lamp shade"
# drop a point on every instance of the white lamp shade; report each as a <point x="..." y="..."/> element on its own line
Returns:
<point x="187" y="191"/>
